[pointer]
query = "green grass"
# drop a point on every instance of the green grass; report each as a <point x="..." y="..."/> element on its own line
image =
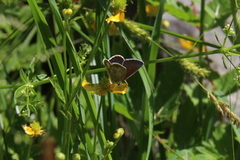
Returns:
<point x="168" y="111"/>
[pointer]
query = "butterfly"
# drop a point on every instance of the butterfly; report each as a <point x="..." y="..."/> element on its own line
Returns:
<point x="120" y="69"/>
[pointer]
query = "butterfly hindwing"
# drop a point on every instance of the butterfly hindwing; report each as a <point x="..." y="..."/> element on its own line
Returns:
<point x="115" y="71"/>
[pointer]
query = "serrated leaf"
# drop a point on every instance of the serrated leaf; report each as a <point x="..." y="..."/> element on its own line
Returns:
<point x="218" y="147"/>
<point x="184" y="154"/>
<point x="205" y="154"/>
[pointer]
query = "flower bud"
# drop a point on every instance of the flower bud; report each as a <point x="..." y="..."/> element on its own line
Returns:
<point x="60" y="156"/>
<point x="67" y="13"/>
<point x="119" y="132"/>
<point x="76" y="156"/>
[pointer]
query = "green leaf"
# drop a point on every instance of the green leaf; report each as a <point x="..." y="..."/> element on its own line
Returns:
<point x="206" y="154"/>
<point x="220" y="146"/>
<point x="181" y="11"/>
<point x="227" y="83"/>
<point x="40" y="77"/>
<point x="194" y="91"/>
<point x="216" y="13"/>
<point x="49" y="41"/>
<point x="183" y="154"/>
<point x="20" y="91"/>
<point x="186" y="127"/>
<point x="237" y="132"/>
<point x="59" y="91"/>
<point x="23" y="76"/>
<point x="120" y="108"/>
<point x="32" y="65"/>
<point x="208" y="151"/>
<point x="142" y="71"/>
<point x="168" y="89"/>
<point x="153" y="2"/>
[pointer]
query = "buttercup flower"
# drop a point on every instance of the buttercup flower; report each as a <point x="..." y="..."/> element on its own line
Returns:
<point x="186" y="44"/>
<point x="118" y="16"/>
<point x="151" y="10"/>
<point x="104" y="86"/>
<point x="34" y="129"/>
<point x="90" y="17"/>
<point x="113" y="29"/>
<point x="67" y="13"/>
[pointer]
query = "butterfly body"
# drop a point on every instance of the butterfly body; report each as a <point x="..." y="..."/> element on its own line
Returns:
<point x="120" y="69"/>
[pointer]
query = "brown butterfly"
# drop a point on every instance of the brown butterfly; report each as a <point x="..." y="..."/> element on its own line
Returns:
<point x="120" y="69"/>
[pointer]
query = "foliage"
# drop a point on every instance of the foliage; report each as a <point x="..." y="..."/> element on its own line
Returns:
<point x="49" y="49"/>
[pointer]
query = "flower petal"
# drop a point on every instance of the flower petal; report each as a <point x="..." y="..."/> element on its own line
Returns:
<point x="151" y="10"/>
<point x="28" y="130"/>
<point x="118" y="17"/>
<point x="33" y="130"/>
<point x="100" y="92"/>
<point x="119" y="88"/>
<point x="113" y="29"/>
<point x="89" y="86"/>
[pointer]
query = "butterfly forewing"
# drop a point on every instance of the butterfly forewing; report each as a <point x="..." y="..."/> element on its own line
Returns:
<point x="117" y="59"/>
<point x="132" y="66"/>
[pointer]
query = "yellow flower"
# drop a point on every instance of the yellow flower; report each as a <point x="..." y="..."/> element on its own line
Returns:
<point x="118" y="16"/>
<point x="104" y="86"/>
<point x="113" y="29"/>
<point x="151" y="10"/>
<point x="119" y="132"/>
<point x="186" y="44"/>
<point x="67" y="13"/>
<point x="33" y="130"/>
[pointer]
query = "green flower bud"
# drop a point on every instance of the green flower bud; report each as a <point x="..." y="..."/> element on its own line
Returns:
<point x="76" y="156"/>
<point x="60" y="156"/>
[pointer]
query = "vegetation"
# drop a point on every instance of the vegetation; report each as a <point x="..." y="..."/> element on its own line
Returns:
<point x="57" y="100"/>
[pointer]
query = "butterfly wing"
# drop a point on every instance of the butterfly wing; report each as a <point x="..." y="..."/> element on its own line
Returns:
<point x="132" y="66"/>
<point x="115" y="71"/>
<point x="117" y="59"/>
